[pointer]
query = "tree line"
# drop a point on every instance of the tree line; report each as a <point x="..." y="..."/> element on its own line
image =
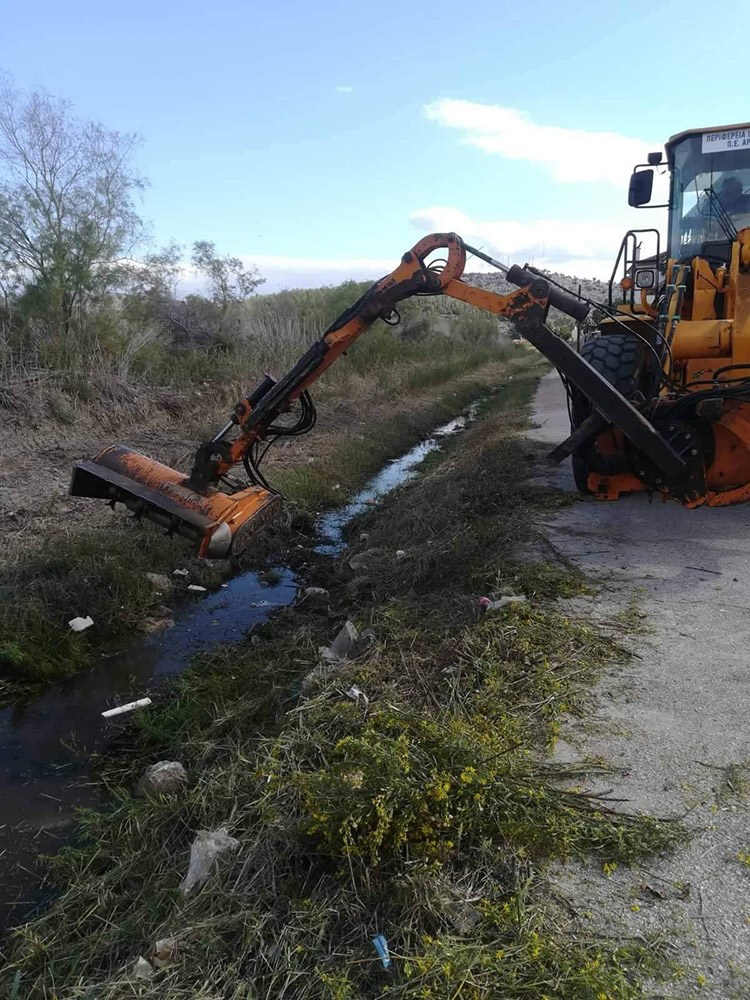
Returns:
<point x="72" y="241"/>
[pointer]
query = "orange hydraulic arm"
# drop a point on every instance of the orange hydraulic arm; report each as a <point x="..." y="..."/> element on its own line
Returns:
<point x="219" y="514"/>
<point x="526" y="309"/>
<point x="412" y="277"/>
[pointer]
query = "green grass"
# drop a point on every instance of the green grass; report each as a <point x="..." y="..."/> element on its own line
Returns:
<point x="428" y="815"/>
<point x="270" y="334"/>
<point x="327" y="482"/>
<point x="275" y="330"/>
<point x="97" y="573"/>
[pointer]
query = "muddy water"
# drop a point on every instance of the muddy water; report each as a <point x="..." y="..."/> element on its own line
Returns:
<point x="43" y="774"/>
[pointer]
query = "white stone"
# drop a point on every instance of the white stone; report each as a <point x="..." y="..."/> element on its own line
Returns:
<point x="163" y="777"/>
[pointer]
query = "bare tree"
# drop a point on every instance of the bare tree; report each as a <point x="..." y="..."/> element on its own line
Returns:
<point x="66" y="201"/>
<point x="192" y="320"/>
<point x="229" y="280"/>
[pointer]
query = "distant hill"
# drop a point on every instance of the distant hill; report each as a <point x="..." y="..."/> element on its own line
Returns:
<point x="591" y="288"/>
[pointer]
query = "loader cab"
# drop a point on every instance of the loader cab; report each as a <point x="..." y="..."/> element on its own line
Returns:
<point x="709" y="197"/>
<point x="709" y="202"/>
<point x="710" y="192"/>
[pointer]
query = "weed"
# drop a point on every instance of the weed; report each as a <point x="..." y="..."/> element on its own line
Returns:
<point x="101" y="574"/>
<point x="426" y="815"/>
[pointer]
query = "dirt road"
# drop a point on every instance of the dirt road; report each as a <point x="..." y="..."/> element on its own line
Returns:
<point x="675" y="722"/>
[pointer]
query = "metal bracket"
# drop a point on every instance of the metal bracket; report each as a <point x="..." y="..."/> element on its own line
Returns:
<point x="610" y="403"/>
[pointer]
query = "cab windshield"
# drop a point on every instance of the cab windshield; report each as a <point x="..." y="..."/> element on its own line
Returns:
<point x="710" y="194"/>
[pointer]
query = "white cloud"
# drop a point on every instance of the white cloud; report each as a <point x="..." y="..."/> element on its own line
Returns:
<point x="345" y="90"/>
<point x="307" y="272"/>
<point x="570" y="154"/>
<point x="585" y="249"/>
<point x="299" y="272"/>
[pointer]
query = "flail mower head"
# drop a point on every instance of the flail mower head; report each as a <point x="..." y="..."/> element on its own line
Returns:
<point x="218" y="524"/>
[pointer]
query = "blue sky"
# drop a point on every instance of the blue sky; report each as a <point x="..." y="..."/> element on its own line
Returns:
<point x="322" y="140"/>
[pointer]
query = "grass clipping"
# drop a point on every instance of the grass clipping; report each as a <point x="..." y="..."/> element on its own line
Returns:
<point x="426" y="815"/>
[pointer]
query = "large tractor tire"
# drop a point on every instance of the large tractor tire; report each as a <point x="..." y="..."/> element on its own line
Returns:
<point x="619" y="358"/>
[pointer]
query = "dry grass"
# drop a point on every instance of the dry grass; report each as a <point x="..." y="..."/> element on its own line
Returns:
<point x="427" y="815"/>
<point x="57" y="566"/>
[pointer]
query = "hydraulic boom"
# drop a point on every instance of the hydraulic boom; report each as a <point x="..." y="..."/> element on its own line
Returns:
<point x="219" y="514"/>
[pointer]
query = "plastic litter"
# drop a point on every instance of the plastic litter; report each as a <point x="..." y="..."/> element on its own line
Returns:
<point x="159" y="582"/>
<point x="348" y="645"/>
<point x="196" y="588"/>
<point x="487" y="605"/>
<point x="343" y="646"/>
<point x="355" y="692"/>
<point x="180" y="572"/>
<point x="80" y="624"/>
<point x="122" y="709"/>
<point x="381" y="947"/>
<point x="206" y="851"/>
<point x="143" y="969"/>
<point x="400" y="554"/>
<point x="164" y="952"/>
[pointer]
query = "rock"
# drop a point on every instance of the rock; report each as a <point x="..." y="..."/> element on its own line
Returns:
<point x="161" y="778"/>
<point x="358" y="586"/>
<point x="143" y="969"/>
<point x="464" y="918"/>
<point x="208" y="849"/>
<point x="314" y="594"/>
<point x="164" y="952"/>
<point x="159" y="582"/>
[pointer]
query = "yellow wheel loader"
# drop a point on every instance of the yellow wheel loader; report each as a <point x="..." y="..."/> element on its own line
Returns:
<point x="659" y="397"/>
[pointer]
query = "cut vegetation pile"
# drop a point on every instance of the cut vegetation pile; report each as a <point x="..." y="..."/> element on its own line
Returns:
<point x="424" y="812"/>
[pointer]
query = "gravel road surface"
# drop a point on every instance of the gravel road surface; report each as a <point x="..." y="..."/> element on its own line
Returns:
<point x="674" y="721"/>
